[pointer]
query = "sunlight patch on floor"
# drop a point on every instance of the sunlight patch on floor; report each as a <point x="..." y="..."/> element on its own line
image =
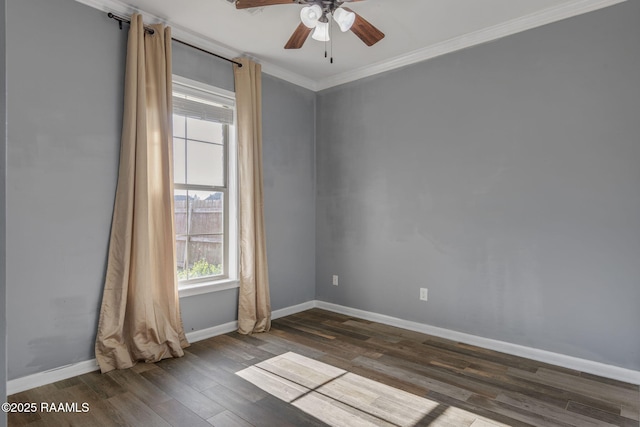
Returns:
<point x="341" y="398"/>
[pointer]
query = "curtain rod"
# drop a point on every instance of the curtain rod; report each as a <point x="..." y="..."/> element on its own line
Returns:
<point x="149" y="30"/>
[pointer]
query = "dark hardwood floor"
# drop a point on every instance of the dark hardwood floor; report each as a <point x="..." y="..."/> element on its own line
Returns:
<point x="450" y="384"/>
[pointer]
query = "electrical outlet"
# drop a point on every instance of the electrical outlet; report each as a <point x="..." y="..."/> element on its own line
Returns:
<point x="335" y="280"/>
<point x="424" y="294"/>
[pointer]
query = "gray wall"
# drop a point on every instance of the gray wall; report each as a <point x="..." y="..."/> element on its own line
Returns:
<point x="3" y="236"/>
<point x="65" y="73"/>
<point x="288" y="118"/>
<point x="505" y="178"/>
<point x="65" y="69"/>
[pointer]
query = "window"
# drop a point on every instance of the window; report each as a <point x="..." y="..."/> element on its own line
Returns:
<point x="204" y="173"/>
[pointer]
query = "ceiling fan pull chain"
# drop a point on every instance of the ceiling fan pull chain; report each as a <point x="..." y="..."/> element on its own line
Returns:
<point x="331" y="39"/>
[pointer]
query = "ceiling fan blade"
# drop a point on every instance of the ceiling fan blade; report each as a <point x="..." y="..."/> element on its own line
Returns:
<point x="362" y="28"/>
<point x="298" y="37"/>
<point x="246" y="4"/>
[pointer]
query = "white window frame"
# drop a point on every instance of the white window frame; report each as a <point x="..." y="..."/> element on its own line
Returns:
<point x="230" y="279"/>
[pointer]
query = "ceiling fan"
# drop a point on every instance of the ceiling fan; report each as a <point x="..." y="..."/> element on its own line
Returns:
<point x="316" y="17"/>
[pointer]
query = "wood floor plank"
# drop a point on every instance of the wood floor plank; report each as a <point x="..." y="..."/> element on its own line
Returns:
<point x="630" y="413"/>
<point x="387" y="330"/>
<point x="336" y="329"/>
<point x="135" y="412"/>
<point x="289" y="412"/>
<point x="228" y="419"/>
<point x="101" y="412"/>
<point x="50" y="394"/>
<point x="616" y="383"/>
<point x="217" y="359"/>
<point x="321" y="315"/>
<point x="23" y="418"/>
<point x="382" y="401"/>
<point x="234" y="341"/>
<point x="248" y="339"/>
<point x="483" y="423"/>
<point x="227" y="397"/>
<point x="589" y="387"/>
<point x="188" y="396"/>
<point x="341" y="329"/>
<point x="375" y="375"/>
<point x="103" y="385"/>
<point x="319" y="343"/>
<point x="423" y="353"/>
<point x="231" y="352"/>
<point x="296" y="373"/>
<point x="428" y="383"/>
<point x="143" y="367"/>
<point x="313" y="330"/>
<point x="275" y="349"/>
<point x="179" y="415"/>
<point x="554" y="413"/>
<point x="189" y="372"/>
<point x="135" y="384"/>
<point x="207" y="358"/>
<point x="289" y="345"/>
<point x="587" y="412"/>
<point x="336" y="413"/>
<point x="273" y="384"/>
<point x="589" y="392"/>
<point x="229" y="380"/>
<point x="318" y="368"/>
<point x="461" y="381"/>
<point x="449" y="417"/>
<point x="252" y="412"/>
<point x="69" y="382"/>
<point x="515" y="412"/>
<point x="479" y="410"/>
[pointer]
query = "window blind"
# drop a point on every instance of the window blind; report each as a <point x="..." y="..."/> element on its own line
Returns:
<point x="196" y="109"/>
<point x="198" y="104"/>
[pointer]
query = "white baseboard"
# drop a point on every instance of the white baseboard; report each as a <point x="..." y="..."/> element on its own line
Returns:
<point x="287" y="311"/>
<point x="214" y="331"/>
<point x="582" y="365"/>
<point x="51" y="376"/>
<point x="614" y="372"/>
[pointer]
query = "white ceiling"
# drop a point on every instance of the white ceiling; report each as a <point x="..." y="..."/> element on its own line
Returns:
<point x="415" y="30"/>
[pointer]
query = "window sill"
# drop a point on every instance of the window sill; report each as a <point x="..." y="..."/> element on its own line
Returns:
<point x="207" y="287"/>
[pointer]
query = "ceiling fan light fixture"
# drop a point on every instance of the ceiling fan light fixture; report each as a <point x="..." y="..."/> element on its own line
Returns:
<point x="310" y="15"/>
<point x="344" y="19"/>
<point x="321" y="33"/>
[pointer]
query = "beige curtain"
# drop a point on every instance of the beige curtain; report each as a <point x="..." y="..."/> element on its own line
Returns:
<point x="140" y="315"/>
<point x="254" y="307"/>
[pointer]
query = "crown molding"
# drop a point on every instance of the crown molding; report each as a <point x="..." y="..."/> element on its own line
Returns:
<point x="296" y="79"/>
<point x="527" y="22"/>
<point x="120" y="8"/>
<point x="523" y="23"/>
